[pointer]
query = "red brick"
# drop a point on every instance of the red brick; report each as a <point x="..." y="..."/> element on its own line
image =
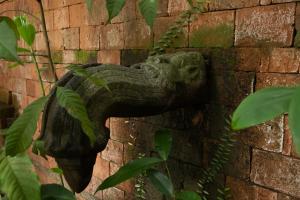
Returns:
<point x="162" y="24"/>
<point x="61" y="18"/>
<point x="282" y="60"/>
<point x="49" y="17"/>
<point x="114" y="152"/>
<point x="214" y="29"/>
<point x="56" y="40"/>
<point x="39" y="41"/>
<point x="286" y="197"/>
<point x="72" y="2"/>
<point x="248" y="59"/>
<point x="231" y="4"/>
<point x="77" y="15"/>
<point x="112" y="36"/>
<point x="113" y="194"/>
<point x="268" y="25"/>
<point x="276" y="171"/>
<point x="109" y="57"/>
<point x="101" y="168"/>
<point x="71" y="38"/>
<point x="287" y="140"/>
<point x="177" y="6"/>
<point x="137" y="35"/>
<point x="69" y="57"/>
<point x="274" y="79"/>
<point x="265" y="2"/>
<point x="283" y="1"/>
<point x="89" y="38"/>
<point x="18" y="85"/>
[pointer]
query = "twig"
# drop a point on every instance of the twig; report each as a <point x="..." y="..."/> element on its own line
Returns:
<point x="38" y="72"/>
<point x="44" y="27"/>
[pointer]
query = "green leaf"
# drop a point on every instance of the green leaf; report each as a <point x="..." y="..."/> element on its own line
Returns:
<point x="8" y="42"/>
<point x="17" y="178"/>
<point x="128" y="171"/>
<point x="262" y="106"/>
<point x="163" y="143"/>
<point x="161" y="182"/>
<point x="19" y="134"/>
<point x="148" y="9"/>
<point x="89" y="4"/>
<point x="72" y="102"/>
<point x="187" y="195"/>
<point x="23" y="50"/>
<point x="26" y="30"/>
<point x="11" y="24"/>
<point x="57" y="171"/>
<point x="56" y="192"/>
<point x="114" y="7"/>
<point x="294" y="118"/>
<point x="38" y="148"/>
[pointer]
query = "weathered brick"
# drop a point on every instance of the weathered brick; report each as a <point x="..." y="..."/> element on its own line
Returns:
<point x="71" y="38"/>
<point x="215" y="29"/>
<point x="39" y="42"/>
<point x="265" y="2"/>
<point x="127" y="186"/>
<point x="101" y="168"/>
<point x="286" y="197"/>
<point x="49" y="17"/>
<point x="113" y="194"/>
<point x="53" y="4"/>
<point x="282" y="60"/>
<point x="162" y="24"/>
<point x="274" y="79"/>
<point x="112" y="36"/>
<point x="109" y="57"/>
<point x="276" y="171"/>
<point x="177" y="6"/>
<point x="137" y="35"/>
<point x="56" y="40"/>
<point x="114" y="152"/>
<point x="231" y="4"/>
<point x="287" y="139"/>
<point x="248" y="59"/>
<point x="283" y="1"/>
<point x="72" y="2"/>
<point x="61" y="18"/>
<point x="268" y="25"/>
<point x="128" y="12"/>
<point x="89" y="38"/>
<point x="77" y="15"/>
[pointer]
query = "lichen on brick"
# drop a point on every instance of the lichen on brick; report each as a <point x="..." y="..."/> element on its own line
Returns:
<point x="57" y="57"/>
<point x="219" y="36"/>
<point x="85" y="57"/>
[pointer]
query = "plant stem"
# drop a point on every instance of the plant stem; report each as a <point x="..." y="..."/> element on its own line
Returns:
<point x="47" y="40"/>
<point x="38" y="72"/>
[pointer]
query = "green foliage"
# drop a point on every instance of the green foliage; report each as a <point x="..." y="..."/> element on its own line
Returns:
<point x="25" y="29"/>
<point x="11" y="24"/>
<point x="163" y="143"/>
<point x="8" y="42"/>
<point x="38" y="148"/>
<point x="128" y="171"/>
<point x="89" y="4"/>
<point x="72" y="102"/>
<point x="57" y="171"/>
<point x="161" y="182"/>
<point x="262" y="106"/>
<point x="80" y="71"/>
<point x="56" y="192"/>
<point x="19" y="135"/>
<point x="148" y="9"/>
<point x="187" y="195"/>
<point x="17" y="178"/>
<point x="114" y="7"/>
<point x="294" y="116"/>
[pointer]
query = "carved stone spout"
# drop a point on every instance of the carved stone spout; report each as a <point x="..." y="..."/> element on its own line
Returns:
<point x="160" y="84"/>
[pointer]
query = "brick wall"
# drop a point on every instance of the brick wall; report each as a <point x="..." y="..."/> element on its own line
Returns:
<point x="251" y="45"/>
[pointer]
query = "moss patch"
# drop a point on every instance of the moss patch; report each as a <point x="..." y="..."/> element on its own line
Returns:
<point x="57" y="57"/>
<point x="297" y="40"/>
<point x="219" y="36"/>
<point x="85" y="57"/>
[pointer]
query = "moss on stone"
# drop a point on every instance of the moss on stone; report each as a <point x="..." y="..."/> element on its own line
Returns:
<point x="57" y="57"/>
<point x="297" y="40"/>
<point x="219" y="36"/>
<point x="85" y="57"/>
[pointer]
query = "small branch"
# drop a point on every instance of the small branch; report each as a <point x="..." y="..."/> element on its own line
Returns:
<point x="22" y="11"/>
<point x="47" y="40"/>
<point x="38" y="72"/>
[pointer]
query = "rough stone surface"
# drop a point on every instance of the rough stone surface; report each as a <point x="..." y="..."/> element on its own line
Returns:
<point x="231" y="4"/>
<point x="276" y="171"/>
<point x="270" y="25"/>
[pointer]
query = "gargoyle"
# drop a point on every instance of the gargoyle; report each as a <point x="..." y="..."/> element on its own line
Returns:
<point x="160" y="84"/>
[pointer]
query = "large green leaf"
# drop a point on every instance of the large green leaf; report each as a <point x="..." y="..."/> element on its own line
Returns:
<point x="128" y="171"/>
<point x="161" y="182"/>
<point x="187" y="195"/>
<point x="11" y="24"/>
<point x="17" y="178"/>
<point x="79" y="71"/>
<point x="294" y="118"/>
<point x="114" y="7"/>
<point x="56" y="192"/>
<point x="26" y="30"/>
<point x="19" y="135"/>
<point x="262" y="106"/>
<point x="72" y="102"/>
<point x="163" y="143"/>
<point x="8" y="42"/>
<point x="148" y="9"/>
